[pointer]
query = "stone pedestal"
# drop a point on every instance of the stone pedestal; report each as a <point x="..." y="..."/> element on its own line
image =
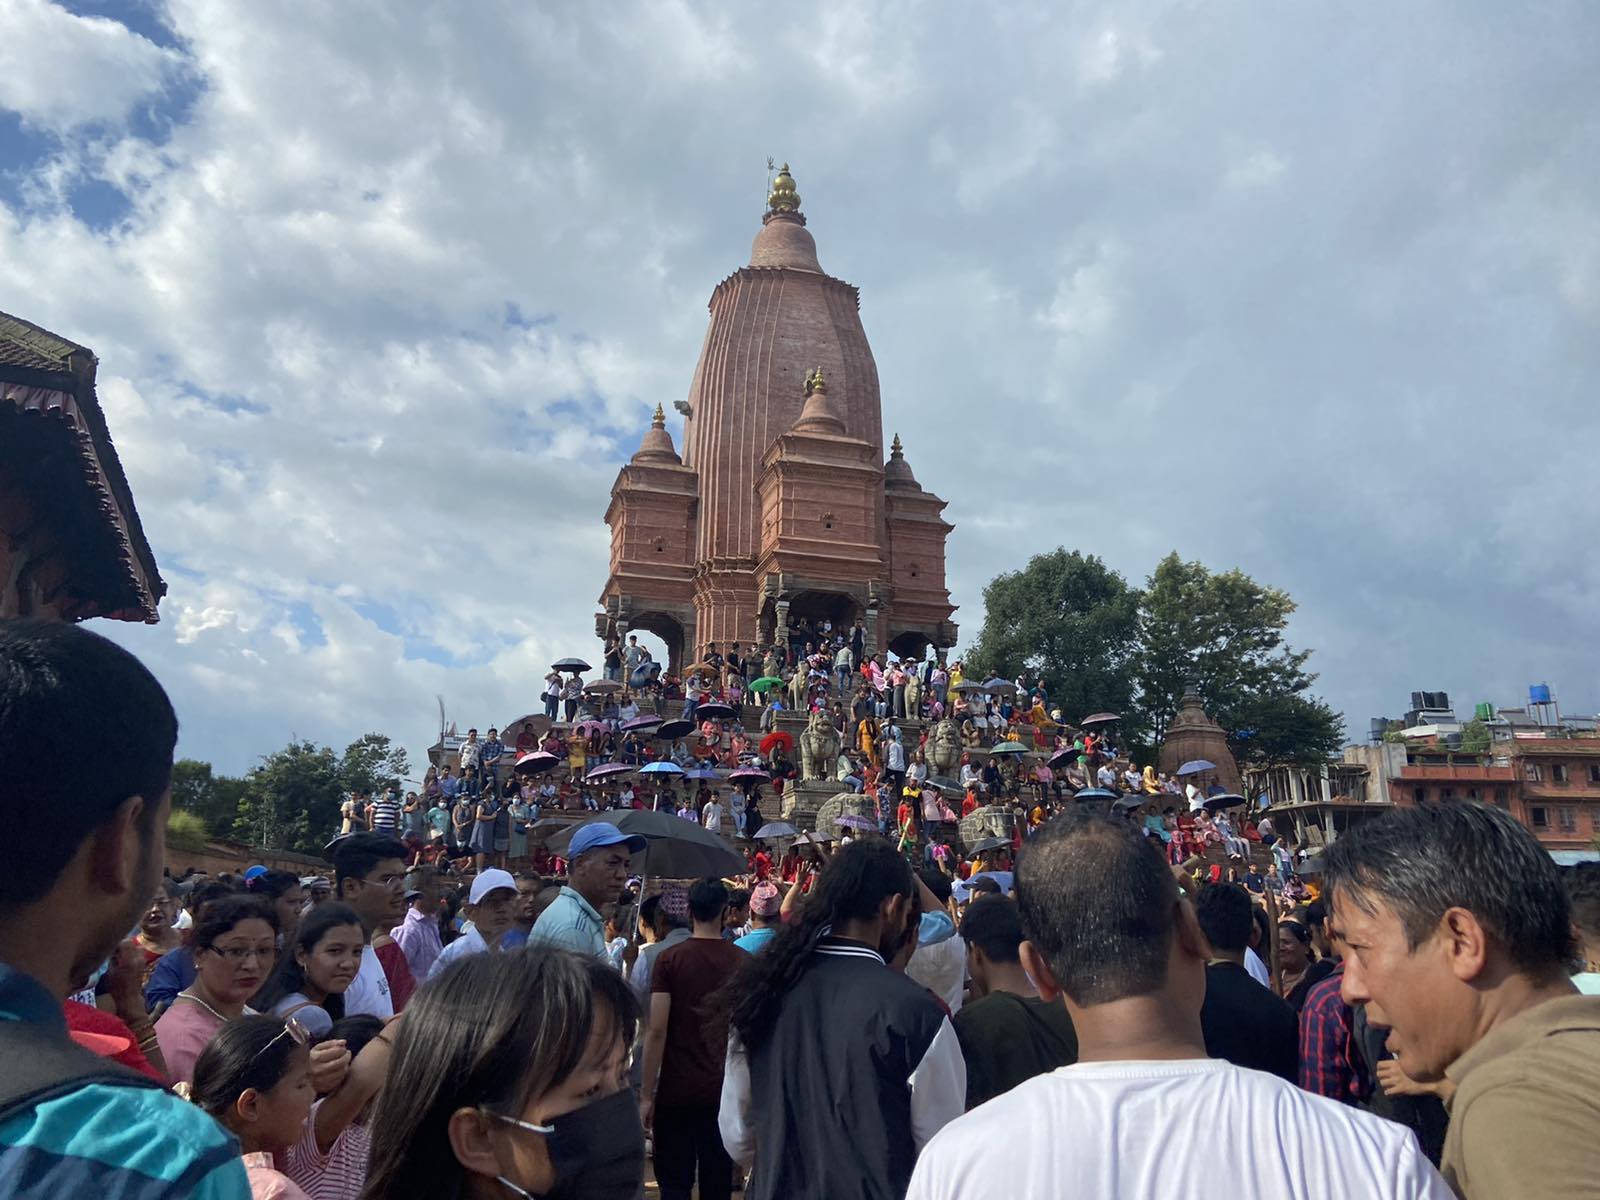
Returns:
<point x="801" y="800"/>
<point x="992" y="820"/>
<point x="845" y="804"/>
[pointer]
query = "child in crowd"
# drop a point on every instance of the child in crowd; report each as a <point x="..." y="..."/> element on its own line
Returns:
<point x="255" y="1078"/>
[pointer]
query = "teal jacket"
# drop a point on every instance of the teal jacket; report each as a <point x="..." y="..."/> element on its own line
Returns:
<point x="109" y="1142"/>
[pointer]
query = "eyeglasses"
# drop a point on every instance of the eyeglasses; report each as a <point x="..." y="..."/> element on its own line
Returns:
<point x="237" y="954"/>
<point x="518" y="1122"/>
<point x="293" y="1029"/>
<point x="387" y="881"/>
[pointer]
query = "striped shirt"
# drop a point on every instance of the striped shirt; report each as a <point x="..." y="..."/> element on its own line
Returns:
<point x="341" y="1173"/>
<point x="106" y="1140"/>
<point x="385" y="816"/>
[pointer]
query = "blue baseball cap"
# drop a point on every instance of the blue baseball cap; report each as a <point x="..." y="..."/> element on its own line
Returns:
<point x="598" y="834"/>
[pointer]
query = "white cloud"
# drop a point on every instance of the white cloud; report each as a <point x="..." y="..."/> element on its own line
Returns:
<point x="1217" y="254"/>
<point x="59" y="70"/>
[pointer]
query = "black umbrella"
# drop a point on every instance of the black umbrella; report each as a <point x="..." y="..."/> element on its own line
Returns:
<point x="570" y="664"/>
<point x="715" y="709"/>
<point x="674" y="728"/>
<point x="678" y="849"/>
<point x="537" y="761"/>
<point x="988" y="843"/>
<point x="1225" y="800"/>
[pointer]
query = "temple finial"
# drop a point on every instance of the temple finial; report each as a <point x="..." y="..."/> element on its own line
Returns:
<point x="783" y="197"/>
<point x="659" y="421"/>
<point x="896" y="450"/>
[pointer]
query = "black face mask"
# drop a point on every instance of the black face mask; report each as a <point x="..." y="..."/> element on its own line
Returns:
<point x="597" y="1151"/>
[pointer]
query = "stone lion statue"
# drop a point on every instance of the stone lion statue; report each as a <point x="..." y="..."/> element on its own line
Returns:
<point x="819" y="748"/>
<point x="913" y="695"/>
<point x="944" y="746"/>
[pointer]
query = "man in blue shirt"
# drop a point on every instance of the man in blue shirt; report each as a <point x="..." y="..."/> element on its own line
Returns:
<point x="81" y="1126"/>
<point x="597" y="869"/>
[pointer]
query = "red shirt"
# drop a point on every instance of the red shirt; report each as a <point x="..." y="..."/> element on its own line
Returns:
<point x="398" y="972"/>
<point x="109" y="1036"/>
<point x="763" y="865"/>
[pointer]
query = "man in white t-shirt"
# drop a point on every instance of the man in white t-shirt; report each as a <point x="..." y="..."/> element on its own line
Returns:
<point x="711" y="814"/>
<point x="1137" y="1116"/>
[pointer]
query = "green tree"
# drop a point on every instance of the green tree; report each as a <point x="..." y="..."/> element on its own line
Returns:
<point x="1068" y="619"/>
<point x="292" y="799"/>
<point x="213" y="799"/>
<point x="372" y="762"/>
<point x="1475" y="737"/>
<point x="1225" y="630"/>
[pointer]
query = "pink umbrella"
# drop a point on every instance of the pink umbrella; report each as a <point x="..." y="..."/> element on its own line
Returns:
<point x="605" y="769"/>
<point x="535" y="762"/>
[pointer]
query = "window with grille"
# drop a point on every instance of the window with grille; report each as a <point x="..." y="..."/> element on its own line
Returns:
<point x="1567" y="818"/>
<point x="1532" y="773"/>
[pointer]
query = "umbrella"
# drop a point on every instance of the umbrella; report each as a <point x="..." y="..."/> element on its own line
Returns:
<point x="851" y="821"/>
<point x="1225" y="800"/>
<point x="776" y="829"/>
<point x="815" y="838"/>
<point x="1099" y="719"/>
<point x="1063" y="758"/>
<point x="676" y="727"/>
<point x="661" y="768"/>
<point x="750" y="773"/>
<point x="697" y="667"/>
<point x="1000" y="687"/>
<point x="778" y="737"/>
<point x="765" y="684"/>
<point x="1095" y="793"/>
<point x="648" y="721"/>
<point x="574" y="665"/>
<point x="1310" y="866"/>
<point x="605" y="769"/>
<point x="969" y="685"/>
<point x="588" y="727"/>
<point x="715" y="709"/>
<point x="677" y="849"/>
<point x="535" y="762"/>
<point x="1009" y="748"/>
<point x="1130" y="802"/>
<point x="1195" y="765"/>
<point x="988" y="843"/>
<point x="701" y="773"/>
<point x="603" y="685"/>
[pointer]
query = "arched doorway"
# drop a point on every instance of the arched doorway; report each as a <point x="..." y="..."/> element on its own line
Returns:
<point x="663" y="635"/>
<point x="912" y="644"/>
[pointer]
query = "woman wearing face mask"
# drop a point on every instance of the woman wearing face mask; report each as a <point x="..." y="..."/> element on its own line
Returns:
<point x="319" y="966"/>
<point x="235" y="947"/>
<point x="509" y="1079"/>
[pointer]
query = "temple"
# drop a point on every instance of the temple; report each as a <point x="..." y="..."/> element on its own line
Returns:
<point x="782" y="505"/>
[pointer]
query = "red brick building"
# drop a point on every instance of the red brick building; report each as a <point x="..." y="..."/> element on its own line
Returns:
<point x="71" y="546"/>
<point x="782" y="504"/>
<point x="1549" y="783"/>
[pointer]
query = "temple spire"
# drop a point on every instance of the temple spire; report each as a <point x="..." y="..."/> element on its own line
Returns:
<point x="783" y="197"/>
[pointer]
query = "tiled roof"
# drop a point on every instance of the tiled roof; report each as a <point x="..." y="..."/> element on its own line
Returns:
<point x="24" y="344"/>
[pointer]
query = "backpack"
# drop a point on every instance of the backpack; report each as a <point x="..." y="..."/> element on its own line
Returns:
<point x="41" y="1065"/>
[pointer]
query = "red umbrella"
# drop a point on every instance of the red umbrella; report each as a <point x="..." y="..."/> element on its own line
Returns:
<point x="778" y="738"/>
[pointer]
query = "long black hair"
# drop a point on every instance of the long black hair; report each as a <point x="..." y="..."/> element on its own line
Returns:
<point x="290" y="977"/>
<point x="852" y="887"/>
<point x="491" y="1030"/>
<point x="241" y="1055"/>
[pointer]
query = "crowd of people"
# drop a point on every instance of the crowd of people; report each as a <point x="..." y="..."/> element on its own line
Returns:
<point x="1072" y="1010"/>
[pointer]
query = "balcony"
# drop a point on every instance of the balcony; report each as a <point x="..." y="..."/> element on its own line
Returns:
<point x="1466" y="772"/>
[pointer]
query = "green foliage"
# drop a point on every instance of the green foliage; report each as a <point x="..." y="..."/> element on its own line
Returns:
<point x="185" y="830"/>
<point x="1475" y="737"/>
<point x="1068" y="619"/>
<point x="371" y="762"/>
<point x="1225" y="630"/>
<point x="211" y="798"/>
<point x="292" y="799"/>
<point x="1099" y="643"/>
<point x="1395" y="732"/>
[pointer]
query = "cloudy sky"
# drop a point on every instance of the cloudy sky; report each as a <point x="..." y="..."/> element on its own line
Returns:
<point x="384" y="292"/>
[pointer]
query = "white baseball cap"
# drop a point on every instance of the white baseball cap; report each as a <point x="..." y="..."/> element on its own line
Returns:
<point x="488" y="881"/>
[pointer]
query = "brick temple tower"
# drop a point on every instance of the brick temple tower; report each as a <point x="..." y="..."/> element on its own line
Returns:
<point x="782" y="504"/>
